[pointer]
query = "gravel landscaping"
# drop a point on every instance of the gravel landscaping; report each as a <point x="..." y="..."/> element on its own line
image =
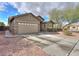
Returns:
<point x="18" y="46"/>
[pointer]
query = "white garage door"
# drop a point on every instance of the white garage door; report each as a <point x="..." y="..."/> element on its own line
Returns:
<point x="27" y="28"/>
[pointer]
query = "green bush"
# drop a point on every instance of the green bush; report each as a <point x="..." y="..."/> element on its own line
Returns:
<point x="66" y="32"/>
<point x="49" y="30"/>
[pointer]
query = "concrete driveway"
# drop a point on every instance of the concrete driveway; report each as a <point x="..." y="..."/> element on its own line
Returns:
<point x="53" y="45"/>
<point x="56" y="46"/>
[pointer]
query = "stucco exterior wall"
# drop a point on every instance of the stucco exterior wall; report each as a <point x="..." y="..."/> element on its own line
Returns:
<point x="29" y="19"/>
<point x="74" y="28"/>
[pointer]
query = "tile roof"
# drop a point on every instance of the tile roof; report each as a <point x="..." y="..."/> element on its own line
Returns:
<point x="37" y="17"/>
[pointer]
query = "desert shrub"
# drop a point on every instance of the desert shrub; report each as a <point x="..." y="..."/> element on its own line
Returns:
<point x="49" y="29"/>
<point x="66" y="31"/>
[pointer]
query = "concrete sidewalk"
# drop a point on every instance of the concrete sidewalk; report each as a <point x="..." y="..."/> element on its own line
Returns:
<point x="62" y="48"/>
<point x="75" y="51"/>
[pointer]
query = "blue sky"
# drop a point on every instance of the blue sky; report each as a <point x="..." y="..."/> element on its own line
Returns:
<point x="15" y="8"/>
<point x="7" y="10"/>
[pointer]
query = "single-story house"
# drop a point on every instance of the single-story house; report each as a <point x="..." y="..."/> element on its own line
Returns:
<point x="74" y="27"/>
<point x="26" y="23"/>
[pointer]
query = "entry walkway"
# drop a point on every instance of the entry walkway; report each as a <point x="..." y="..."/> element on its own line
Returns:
<point x="8" y="34"/>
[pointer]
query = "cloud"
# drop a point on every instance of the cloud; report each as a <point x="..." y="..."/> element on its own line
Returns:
<point x="38" y="8"/>
<point x="2" y="6"/>
<point x="21" y="7"/>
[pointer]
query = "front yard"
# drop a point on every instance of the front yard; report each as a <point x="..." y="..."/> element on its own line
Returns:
<point x="18" y="46"/>
<point x="43" y="44"/>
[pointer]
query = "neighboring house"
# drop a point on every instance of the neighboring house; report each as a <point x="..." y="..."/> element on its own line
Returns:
<point x="28" y="23"/>
<point x="74" y="27"/>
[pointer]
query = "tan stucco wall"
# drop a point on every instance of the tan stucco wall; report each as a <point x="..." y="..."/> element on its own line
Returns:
<point x="76" y="28"/>
<point x="24" y="19"/>
<point x="11" y="26"/>
<point x="42" y="27"/>
<point x="48" y="26"/>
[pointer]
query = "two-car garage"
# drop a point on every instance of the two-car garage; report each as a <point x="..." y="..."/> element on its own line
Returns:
<point x="24" y="28"/>
<point x="25" y="23"/>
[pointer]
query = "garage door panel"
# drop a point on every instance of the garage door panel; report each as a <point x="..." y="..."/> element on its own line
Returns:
<point x="27" y="28"/>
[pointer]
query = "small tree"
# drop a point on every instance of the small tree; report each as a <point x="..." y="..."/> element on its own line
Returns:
<point x="2" y="26"/>
<point x="55" y="15"/>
